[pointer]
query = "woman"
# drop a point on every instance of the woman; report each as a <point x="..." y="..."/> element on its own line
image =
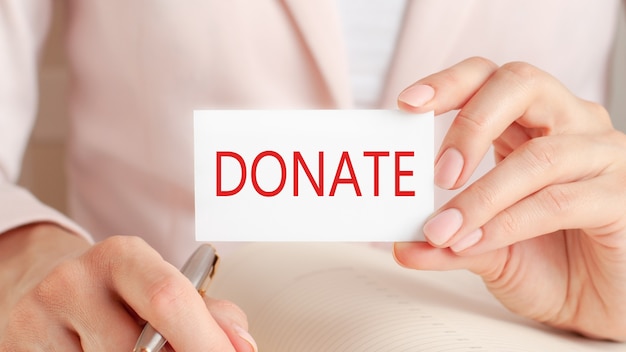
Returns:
<point x="139" y="69"/>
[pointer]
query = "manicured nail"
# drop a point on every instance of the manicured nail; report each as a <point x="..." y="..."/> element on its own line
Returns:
<point x="418" y="95"/>
<point x="399" y="247"/>
<point x="448" y="168"/>
<point x="443" y="226"/>
<point x="246" y="336"/>
<point x="469" y="240"/>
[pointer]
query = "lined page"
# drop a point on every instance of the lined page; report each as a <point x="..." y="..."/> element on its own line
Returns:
<point x="338" y="297"/>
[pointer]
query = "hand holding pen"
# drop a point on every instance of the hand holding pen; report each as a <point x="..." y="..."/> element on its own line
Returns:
<point x="199" y="269"/>
<point x="81" y="297"/>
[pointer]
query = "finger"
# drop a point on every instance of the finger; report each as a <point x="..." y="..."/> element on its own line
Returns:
<point x="422" y="256"/>
<point x="491" y="103"/>
<point x="539" y="163"/>
<point x="512" y="138"/>
<point x="234" y="323"/>
<point x="161" y="295"/>
<point x="522" y="93"/>
<point x="578" y="205"/>
<point x="447" y="90"/>
<point x="444" y="91"/>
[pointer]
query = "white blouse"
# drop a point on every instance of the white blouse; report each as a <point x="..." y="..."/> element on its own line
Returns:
<point x="370" y="29"/>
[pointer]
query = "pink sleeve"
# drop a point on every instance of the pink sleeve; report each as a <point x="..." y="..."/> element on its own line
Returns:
<point x="23" y="28"/>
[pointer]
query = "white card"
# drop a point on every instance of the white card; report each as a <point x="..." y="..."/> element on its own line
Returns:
<point x="257" y="175"/>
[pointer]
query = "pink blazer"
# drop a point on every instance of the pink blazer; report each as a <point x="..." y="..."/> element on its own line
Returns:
<point x="139" y="68"/>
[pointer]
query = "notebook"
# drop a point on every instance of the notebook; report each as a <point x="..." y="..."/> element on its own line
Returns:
<point x="353" y="297"/>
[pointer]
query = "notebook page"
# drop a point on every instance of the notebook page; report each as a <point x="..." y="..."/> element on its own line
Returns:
<point x="337" y="297"/>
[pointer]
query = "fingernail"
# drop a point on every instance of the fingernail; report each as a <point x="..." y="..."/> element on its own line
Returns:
<point x="246" y="336"/>
<point x="448" y="168"/>
<point x="443" y="226"/>
<point x="418" y="95"/>
<point x="469" y="240"/>
<point x="400" y="247"/>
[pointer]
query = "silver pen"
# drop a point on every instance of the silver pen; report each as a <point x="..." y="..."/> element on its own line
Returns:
<point x="199" y="269"/>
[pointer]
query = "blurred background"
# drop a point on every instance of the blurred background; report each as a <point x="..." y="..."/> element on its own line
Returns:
<point x="43" y="170"/>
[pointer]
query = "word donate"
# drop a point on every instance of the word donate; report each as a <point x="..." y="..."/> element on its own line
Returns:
<point x="312" y="175"/>
<point x="318" y="185"/>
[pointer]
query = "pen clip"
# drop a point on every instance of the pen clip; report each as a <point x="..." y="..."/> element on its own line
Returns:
<point x="200" y="267"/>
<point x="204" y="285"/>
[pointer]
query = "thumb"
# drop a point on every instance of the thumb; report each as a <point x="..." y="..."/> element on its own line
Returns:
<point x="423" y="256"/>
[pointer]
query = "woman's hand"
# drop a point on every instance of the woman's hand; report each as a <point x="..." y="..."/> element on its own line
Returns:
<point x="61" y="294"/>
<point x="546" y="228"/>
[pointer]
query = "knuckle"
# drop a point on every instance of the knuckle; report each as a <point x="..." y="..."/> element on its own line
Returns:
<point x="509" y="223"/>
<point x="541" y="154"/>
<point x="556" y="199"/>
<point x="521" y="75"/>
<point x="521" y="71"/>
<point x="58" y="286"/>
<point x="121" y="244"/>
<point x="114" y="253"/>
<point x="454" y="76"/>
<point x="484" y="194"/>
<point x="482" y="61"/>
<point x="166" y="296"/>
<point x="471" y="122"/>
<point x="600" y="113"/>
